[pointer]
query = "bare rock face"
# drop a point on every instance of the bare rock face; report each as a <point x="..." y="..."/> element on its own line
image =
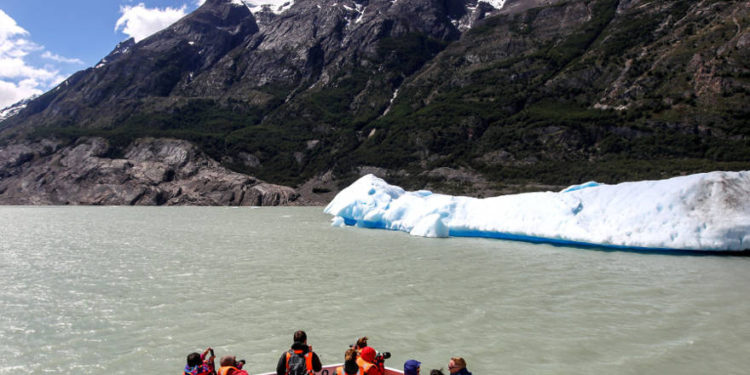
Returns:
<point x="152" y="172"/>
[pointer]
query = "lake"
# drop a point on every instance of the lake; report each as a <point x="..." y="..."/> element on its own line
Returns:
<point x="89" y="290"/>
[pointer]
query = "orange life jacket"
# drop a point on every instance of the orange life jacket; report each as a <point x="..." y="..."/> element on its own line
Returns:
<point x="225" y="370"/>
<point x="308" y="360"/>
<point x="364" y="366"/>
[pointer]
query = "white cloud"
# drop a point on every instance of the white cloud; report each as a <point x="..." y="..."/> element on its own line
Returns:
<point x="9" y="27"/>
<point x="18" y="78"/>
<point x="140" y="22"/>
<point x="55" y="57"/>
<point x="12" y="93"/>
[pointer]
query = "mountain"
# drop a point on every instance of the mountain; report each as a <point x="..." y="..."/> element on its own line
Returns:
<point x="463" y="96"/>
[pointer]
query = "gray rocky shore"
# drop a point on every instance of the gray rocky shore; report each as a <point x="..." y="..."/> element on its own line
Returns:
<point x="151" y="172"/>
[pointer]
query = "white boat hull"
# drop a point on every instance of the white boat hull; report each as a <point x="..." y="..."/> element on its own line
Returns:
<point x="331" y="370"/>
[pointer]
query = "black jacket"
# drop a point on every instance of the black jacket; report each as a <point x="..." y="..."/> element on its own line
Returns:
<point x="281" y="366"/>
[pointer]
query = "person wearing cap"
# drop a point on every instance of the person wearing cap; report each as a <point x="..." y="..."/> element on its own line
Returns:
<point x="299" y="348"/>
<point x="411" y="367"/>
<point x="457" y="366"/>
<point x="366" y="362"/>
<point x="230" y="366"/>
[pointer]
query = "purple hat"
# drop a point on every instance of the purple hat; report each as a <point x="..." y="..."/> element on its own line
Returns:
<point x="411" y="366"/>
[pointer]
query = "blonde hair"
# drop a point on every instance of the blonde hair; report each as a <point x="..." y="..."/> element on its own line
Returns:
<point x="459" y="362"/>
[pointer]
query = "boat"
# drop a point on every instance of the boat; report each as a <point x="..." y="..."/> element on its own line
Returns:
<point x="331" y="370"/>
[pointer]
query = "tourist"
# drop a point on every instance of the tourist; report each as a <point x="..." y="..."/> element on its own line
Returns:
<point x="197" y="364"/>
<point x="411" y="367"/>
<point x="367" y="362"/>
<point x="436" y="372"/>
<point x="350" y="364"/>
<point x="457" y="366"/>
<point x="230" y="366"/>
<point x="361" y="344"/>
<point x="300" y="359"/>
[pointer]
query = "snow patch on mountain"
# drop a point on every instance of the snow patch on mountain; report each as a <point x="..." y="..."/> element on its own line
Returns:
<point x="275" y="6"/>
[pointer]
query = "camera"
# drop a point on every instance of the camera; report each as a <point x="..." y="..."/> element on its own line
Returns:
<point x="240" y="363"/>
<point x="380" y="357"/>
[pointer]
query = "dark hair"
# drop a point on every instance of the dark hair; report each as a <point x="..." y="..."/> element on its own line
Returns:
<point x="350" y="355"/>
<point x="300" y="336"/>
<point x="361" y="342"/>
<point x="436" y="372"/>
<point x="193" y="359"/>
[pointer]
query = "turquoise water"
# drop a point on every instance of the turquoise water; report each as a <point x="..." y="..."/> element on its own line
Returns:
<point x="95" y="289"/>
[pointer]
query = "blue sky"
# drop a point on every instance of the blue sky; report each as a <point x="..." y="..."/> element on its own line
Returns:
<point x="42" y="42"/>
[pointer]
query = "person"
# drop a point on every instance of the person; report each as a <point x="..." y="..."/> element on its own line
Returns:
<point x="350" y="364"/>
<point x="411" y="367"/>
<point x="230" y="366"/>
<point x="436" y="372"/>
<point x="197" y="364"/>
<point x="367" y="362"/>
<point x="300" y="359"/>
<point x="361" y="344"/>
<point x="457" y="366"/>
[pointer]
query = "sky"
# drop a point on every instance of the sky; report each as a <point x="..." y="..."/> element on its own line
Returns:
<point x="42" y="42"/>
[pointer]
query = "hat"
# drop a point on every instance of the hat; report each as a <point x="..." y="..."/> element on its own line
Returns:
<point x="368" y="354"/>
<point x="411" y="366"/>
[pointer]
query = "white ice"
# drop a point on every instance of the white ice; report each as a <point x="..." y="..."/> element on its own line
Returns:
<point x="708" y="211"/>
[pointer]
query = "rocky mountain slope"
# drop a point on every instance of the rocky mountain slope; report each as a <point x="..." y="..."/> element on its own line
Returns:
<point x="456" y="95"/>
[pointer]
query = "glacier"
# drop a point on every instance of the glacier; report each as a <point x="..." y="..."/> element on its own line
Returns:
<point x="704" y="212"/>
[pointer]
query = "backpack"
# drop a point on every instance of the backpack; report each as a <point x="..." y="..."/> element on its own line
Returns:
<point x="296" y="363"/>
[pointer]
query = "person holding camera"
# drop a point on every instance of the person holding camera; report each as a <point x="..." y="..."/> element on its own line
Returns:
<point x="230" y="366"/>
<point x="299" y="359"/>
<point x="370" y="362"/>
<point x="197" y="364"/>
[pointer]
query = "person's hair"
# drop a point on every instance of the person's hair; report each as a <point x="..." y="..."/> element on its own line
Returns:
<point x="436" y="372"/>
<point x="350" y="355"/>
<point x="227" y="360"/>
<point x="460" y="362"/>
<point x="193" y="359"/>
<point x="361" y="342"/>
<point x="300" y="336"/>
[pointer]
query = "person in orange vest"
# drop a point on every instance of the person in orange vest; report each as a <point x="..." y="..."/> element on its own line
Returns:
<point x="197" y="364"/>
<point x="367" y="363"/>
<point x="230" y="366"/>
<point x="350" y="364"/>
<point x="300" y="359"/>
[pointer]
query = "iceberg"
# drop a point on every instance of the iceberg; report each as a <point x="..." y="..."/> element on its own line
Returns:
<point x="703" y="212"/>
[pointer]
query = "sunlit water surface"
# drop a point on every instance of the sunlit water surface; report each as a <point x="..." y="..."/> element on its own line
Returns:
<point x="94" y="290"/>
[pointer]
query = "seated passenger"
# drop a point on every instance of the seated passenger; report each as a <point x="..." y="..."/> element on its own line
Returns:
<point x="230" y="366"/>
<point x="197" y="364"/>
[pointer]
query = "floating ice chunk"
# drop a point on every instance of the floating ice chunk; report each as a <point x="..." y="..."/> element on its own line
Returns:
<point x="708" y="211"/>
<point x="430" y="226"/>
